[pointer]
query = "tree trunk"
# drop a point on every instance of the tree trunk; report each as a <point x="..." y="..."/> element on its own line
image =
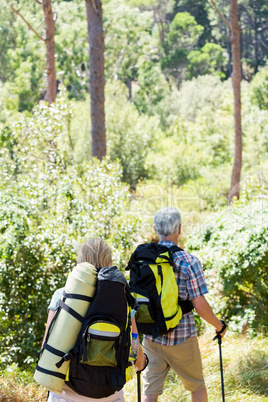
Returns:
<point x="256" y="51"/>
<point x="96" y="80"/>
<point x="129" y="86"/>
<point x="241" y="54"/>
<point x="229" y="50"/>
<point x="236" y="82"/>
<point x="51" y="92"/>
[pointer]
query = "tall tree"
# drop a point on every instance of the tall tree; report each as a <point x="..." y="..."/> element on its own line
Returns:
<point x="50" y="51"/>
<point x="96" y="79"/>
<point x="234" y="39"/>
<point x="236" y="82"/>
<point x="51" y="86"/>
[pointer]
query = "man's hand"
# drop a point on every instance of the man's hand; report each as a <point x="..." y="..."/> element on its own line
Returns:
<point x="222" y="330"/>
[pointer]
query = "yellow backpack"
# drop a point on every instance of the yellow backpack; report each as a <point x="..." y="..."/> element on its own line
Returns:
<point x="153" y="284"/>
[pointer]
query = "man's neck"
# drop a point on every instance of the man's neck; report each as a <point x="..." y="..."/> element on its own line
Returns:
<point x="174" y="238"/>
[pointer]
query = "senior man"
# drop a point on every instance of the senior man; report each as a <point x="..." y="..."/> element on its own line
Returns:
<point x="179" y="349"/>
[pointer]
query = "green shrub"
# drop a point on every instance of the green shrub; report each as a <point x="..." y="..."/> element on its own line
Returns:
<point x="182" y="37"/>
<point x="129" y="134"/>
<point x="175" y="162"/>
<point x="209" y="59"/>
<point x="255" y="131"/>
<point x="234" y="250"/>
<point x="48" y="204"/>
<point x="259" y="89"/>
<point x="202" y="95"/>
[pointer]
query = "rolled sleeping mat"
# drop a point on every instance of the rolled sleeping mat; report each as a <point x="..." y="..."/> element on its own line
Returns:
<point x="79" y="290"/>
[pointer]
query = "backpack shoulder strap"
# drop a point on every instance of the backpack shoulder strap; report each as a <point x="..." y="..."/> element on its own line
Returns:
<point x="175" y="248"/>
<point x="142" y="252"/>
<point x="186" y="305"/>
<point x="131" y="300"/>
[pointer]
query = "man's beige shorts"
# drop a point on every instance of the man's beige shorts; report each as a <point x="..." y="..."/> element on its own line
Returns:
<point x="184" y="359"/>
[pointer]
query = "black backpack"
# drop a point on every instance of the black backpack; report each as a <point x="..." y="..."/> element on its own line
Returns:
<point x="153" y="284"/>
<point x="100" y="356"/>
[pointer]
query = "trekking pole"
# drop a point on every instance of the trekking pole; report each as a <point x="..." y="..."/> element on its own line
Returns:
<point x="139" y="377"/>
<point x="218" y="336"/>
<point x="139" y="385"/>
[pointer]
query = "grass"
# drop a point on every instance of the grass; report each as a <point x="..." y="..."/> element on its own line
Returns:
<point x="19" y="386"/>
<point x="245" y="363"/>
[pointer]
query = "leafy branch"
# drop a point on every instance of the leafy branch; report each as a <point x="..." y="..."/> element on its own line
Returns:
<point x="223" y="18"/>
<point x="27" y="23"/>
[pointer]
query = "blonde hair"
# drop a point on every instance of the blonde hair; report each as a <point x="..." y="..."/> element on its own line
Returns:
<point x="96" y="252"/>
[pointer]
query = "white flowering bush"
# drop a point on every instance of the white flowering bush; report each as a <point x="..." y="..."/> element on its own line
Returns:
<point x="48" y="205"/>
<point x="233" y="247"/>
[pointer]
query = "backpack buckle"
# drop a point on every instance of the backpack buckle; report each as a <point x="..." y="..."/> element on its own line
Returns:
<point x="65" y="358"/>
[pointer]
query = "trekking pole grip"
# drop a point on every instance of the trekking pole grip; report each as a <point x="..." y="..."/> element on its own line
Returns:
<point x="218" y="336"/>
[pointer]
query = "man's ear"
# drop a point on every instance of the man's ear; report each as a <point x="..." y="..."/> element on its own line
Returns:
<point x="179" y="230"/>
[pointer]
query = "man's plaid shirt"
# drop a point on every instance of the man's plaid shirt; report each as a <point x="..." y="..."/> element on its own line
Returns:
<point x="191" y="282"/>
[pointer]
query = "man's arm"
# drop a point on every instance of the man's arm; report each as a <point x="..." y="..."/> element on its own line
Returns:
<point x="204" y="310"/>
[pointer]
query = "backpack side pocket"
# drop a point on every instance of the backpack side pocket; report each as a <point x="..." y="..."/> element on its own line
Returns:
<point x="143" y="314"/>
<point x="101" y="342"/>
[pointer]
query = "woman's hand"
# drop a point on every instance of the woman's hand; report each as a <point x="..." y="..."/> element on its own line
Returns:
<point x="141" y="360"/>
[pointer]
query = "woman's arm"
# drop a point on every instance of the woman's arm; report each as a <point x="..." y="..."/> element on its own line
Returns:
<point x="141" y="358"/>
<point x="50" y="316"/>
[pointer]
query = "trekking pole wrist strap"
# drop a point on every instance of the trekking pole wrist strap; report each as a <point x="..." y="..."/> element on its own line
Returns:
<point x="218" y="336"/>
<point x="224" y="326"/>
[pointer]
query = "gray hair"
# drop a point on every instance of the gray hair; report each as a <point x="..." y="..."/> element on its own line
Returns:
<point x="167" y="221"/>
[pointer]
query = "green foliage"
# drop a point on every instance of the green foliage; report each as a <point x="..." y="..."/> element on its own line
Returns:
<point x="7" y="39"/>
<point x="184" y="31"/>
<point x="259" y="89"/>
<point x="131" y="54"/>
<point x="27" y="82"/>
<point x="152" y="87"/>
<point x="181" y="39"/>
<point x="234" y="250"/>
<point x="9" y="103"/>
<point x="175" y="161"/>
<point x="129" y="134"/>
<point x="33" y="260"/>
<point x="208" y="60"/>
<point x="202" y="97"/>
<point x="27" y="57"/>
<point x="127" y="40"/>
<point x="53" y="194"/>
<point x="197" y="145"/>
<point x="255" y="131"/>
<point x="145" y="39"/>
<point x="71" y="42"/>
<point x="80" y="130"/>
<point x="48" y="203"/>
